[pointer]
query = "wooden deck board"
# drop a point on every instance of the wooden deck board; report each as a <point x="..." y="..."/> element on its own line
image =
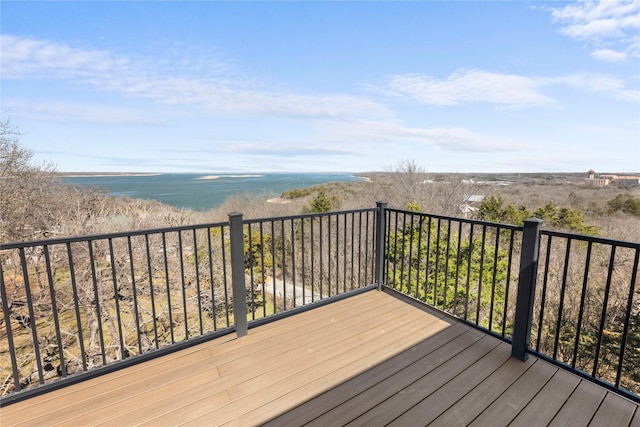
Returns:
<point x="548" y="401"/>
<point x="371" y="359"/>
<point x="438" y="402"/>
<point x="614" y="411"/>
<point x="323" y="403"/>
<point x="580" y="406"/>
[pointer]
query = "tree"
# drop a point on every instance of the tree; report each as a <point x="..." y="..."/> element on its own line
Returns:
<point x="465" y="275"/>
<point x="28" y="191"/>
<point x="625" y="203"/>
<point x="320" y="203"/>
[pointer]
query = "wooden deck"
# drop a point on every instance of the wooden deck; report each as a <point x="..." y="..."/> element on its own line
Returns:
<point x="371" y="359"/>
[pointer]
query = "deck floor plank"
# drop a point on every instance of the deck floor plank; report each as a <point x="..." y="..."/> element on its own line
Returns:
<point x="635" y="421"/>
<point x="580" y="406"/>
<point x="614" y="411"/>
<point x="465" y="410"/>
<point x="352" y="408"/>
<point x="369" y="359"/>
<point x="429" y="408"/>
<point x="410" y="395"/>
<point x="326" y="401"/>
<point x="515" y="398"/>
<point x="548" y="401"/>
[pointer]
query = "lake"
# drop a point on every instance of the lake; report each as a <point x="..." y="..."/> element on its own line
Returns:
<point x="204" y="191"/>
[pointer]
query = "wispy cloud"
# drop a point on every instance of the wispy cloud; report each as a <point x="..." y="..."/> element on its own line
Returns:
<point x="79" y="113"/>
<point x="288" y="150"/>
<point x="506" y="90"/>
<point x="596" y="83"/>
<point x="610" y="27"/>
<point x="469" y="86"/>
<point x="446" y="139"/>
<point x="609" y="55"/>
<point x="195" y="82"/>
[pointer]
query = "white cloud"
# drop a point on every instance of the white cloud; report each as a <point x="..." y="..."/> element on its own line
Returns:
<point x="604" y="24"/>
<point x="70" y="112"/>
<point x="446" y="139"/>
<point x="472" y="86"/>
<point x="609" y="55"/>
<point x="205" y="84"/>
<point x="609" y="86"/>
<point x="509" y="90"/>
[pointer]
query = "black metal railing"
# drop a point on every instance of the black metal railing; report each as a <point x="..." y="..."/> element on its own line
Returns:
<point x="568" y="298"/>
<point x="587" y="307"/>
<point x="70" y="306"/>
<point x="463" y="267"/>
<point x="73" y="308"/>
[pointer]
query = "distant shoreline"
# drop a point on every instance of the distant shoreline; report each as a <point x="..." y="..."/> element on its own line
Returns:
<point x="103" y="174"/>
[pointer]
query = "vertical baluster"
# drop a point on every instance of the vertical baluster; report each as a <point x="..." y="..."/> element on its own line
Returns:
<point x="419" y="256"/>
<point x="426" y="263"/>
<point x="627" y="316"/>
<point x="353" y="260"/>
<point x="411" y="216"/>
<point x="508" y="283"/>
<point x="251" y="270"/>
<point x="446" y="267"/>
<point x="457" y="275"/>
<point x="116" y="297"/>
<point x="469" y="261"/>
<point x="482" y="250"/>
<point x="224" y="275"/>
<point x="493" y="279"/>
<point x="152" y="292"/>
<point x="565" y="270"/>
<point x="320" y="220"/>
<point x="263" y="277"/>
<point x="166" y="275"/>
<point x="293" y="261"/>
<point x="313" y="245"/>
<point x="543" y="298"/>
<point x="32" y="324"/>
<point x="303" y="258"/>
<point x="96" y="297"/>
<point x="284" y="266"/>
<point x="183" y="286"/>
<point x="604" y="310"/>
<point x="344" y="253"/>
<point x="328" y="255"/>
<point x="7" y="321"/>
<point x="54" y="310"/>
<point x="135" y="295"/>
<point x="273" y="265"/>
<point x="214" y="312"/>
<point x="583" y="294"/>
<point x="360" y="281"/>
<point x="435" y="275"/>
<point x="76" y="306"/>
<point x="197" y="267"/>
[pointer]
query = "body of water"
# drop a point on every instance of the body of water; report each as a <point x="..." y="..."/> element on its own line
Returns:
<point x="202" y="191"/>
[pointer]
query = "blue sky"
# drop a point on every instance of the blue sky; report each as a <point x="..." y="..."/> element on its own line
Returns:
<point x="324" y="86"/>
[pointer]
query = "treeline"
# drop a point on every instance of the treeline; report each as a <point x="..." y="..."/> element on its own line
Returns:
<point x="35" y="204"/>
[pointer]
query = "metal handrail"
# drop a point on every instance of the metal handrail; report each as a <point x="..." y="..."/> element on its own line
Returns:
<point x="74" y="306"/>
<point x="77" y="307"/>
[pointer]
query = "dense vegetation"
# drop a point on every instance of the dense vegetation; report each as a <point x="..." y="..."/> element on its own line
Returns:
<point x="34" y="204"/>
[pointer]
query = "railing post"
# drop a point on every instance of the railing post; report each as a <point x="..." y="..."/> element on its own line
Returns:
<point x="380" y="231"/>
<point x="237" y="273"/>
<point x="526" y="288"/>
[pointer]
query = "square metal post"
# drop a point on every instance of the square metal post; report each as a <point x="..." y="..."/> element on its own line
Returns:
<point x="380" y="237"/>
<point x="237" y="274"/>
<point x="526" y="288"/>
